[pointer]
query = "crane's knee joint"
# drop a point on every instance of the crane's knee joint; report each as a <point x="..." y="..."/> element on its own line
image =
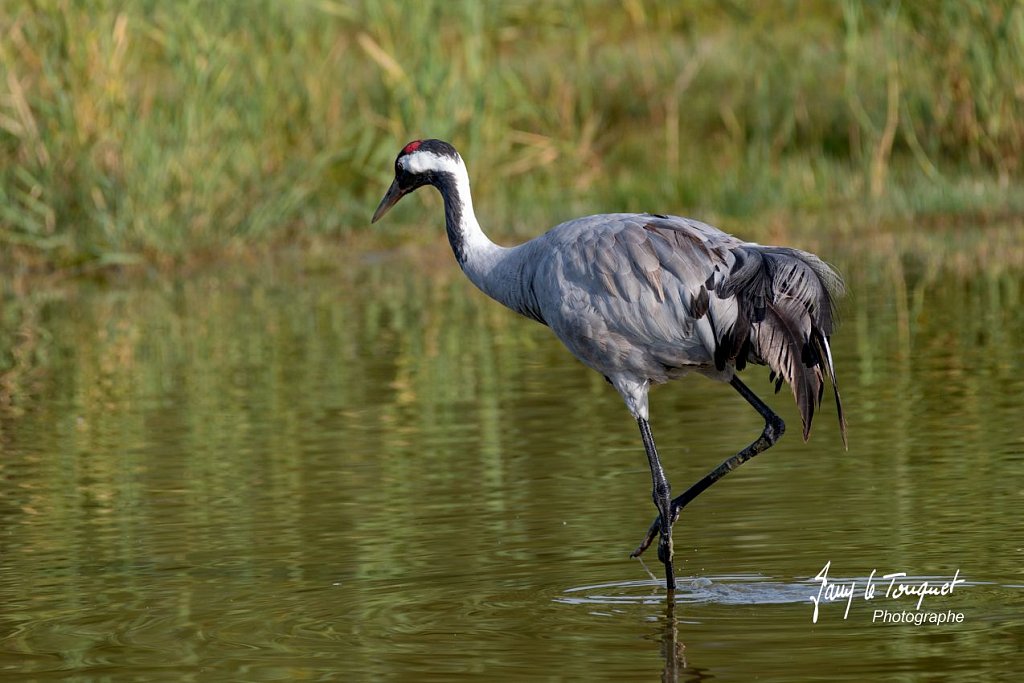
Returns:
<point x="774" y="428"/>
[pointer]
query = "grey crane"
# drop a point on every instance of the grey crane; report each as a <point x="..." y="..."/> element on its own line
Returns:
<point x="646" y="298"/>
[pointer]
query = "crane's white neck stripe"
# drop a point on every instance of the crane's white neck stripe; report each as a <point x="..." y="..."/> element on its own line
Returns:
<point x="422" y="162"/>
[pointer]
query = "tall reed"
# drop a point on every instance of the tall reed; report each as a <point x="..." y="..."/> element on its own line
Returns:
<point x="137" y="129"/>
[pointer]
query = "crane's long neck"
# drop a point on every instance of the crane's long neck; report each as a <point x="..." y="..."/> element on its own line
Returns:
<point x="468" y="240"/>
<point x="499" y="272"/>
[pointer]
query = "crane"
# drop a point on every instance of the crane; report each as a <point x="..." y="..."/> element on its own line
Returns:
<point x="647" y="298"/>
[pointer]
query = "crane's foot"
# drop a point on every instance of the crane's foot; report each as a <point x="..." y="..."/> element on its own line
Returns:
<point x="653" y="533"/>
<point x="665" y="547"/>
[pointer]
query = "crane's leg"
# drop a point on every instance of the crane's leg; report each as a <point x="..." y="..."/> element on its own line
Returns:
<point x="773" y="429"/>
<point x="662" y="494"/>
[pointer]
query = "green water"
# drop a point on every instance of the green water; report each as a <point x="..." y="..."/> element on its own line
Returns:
<point x="368" y="471"/>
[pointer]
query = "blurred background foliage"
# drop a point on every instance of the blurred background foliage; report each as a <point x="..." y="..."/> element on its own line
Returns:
<point x="160" y="132"/>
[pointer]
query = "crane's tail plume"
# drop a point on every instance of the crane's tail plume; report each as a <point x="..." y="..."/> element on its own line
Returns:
<point x="824" y="351"/>
<point x="785" y="312"/>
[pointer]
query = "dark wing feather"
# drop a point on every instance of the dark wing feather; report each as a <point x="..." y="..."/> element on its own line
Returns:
<point x="786" y="300"/>
<point x="820" y="343"/>
<point x="779" y="339"/>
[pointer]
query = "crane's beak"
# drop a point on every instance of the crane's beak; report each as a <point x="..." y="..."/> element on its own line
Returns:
<point x="394" y="193"/>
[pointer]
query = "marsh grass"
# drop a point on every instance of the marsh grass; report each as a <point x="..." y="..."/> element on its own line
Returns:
<point x="156" y="132"/>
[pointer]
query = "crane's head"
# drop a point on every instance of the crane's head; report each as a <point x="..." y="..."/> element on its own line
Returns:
<point x="421" y="162"/>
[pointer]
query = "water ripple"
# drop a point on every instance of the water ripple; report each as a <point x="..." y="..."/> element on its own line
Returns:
<point x="723" y="590"/>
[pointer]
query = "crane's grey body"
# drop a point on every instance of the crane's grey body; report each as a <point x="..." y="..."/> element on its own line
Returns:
<point x="645" y="298"/>
<point x="621" y="292"/>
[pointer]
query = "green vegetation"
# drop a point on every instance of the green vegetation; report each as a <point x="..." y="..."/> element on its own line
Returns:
<point x="140" y="130"/>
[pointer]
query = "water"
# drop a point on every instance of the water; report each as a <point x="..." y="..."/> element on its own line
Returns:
<point x="364" y="470"/>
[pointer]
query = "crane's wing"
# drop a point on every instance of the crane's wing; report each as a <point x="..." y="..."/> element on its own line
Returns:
<point x="623" y="291"/>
